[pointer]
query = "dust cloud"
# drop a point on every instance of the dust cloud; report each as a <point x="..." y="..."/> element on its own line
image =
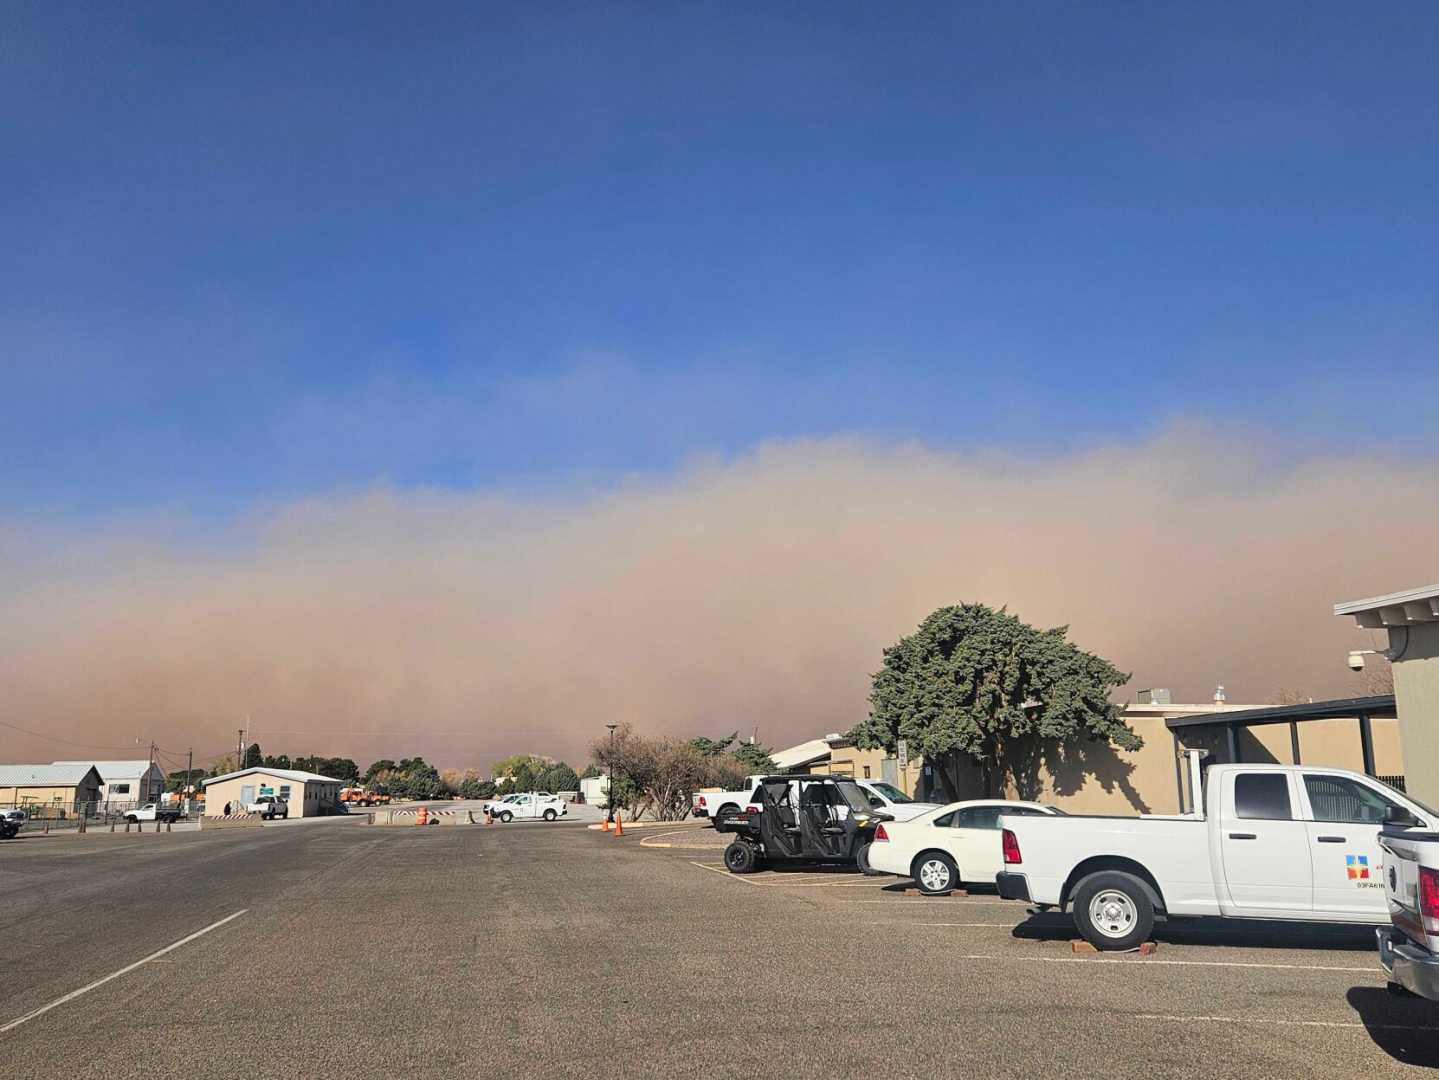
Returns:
<point x="749" y="593"/>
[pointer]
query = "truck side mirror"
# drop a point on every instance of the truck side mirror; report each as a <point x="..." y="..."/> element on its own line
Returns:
<point x="1399" y="815"/>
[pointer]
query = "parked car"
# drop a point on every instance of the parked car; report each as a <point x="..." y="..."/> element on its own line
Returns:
<point x="532" y="806"/>
<point x="17" y="817"/>
<point x="800" y="818"/>
<point x="1409" y="946"/>
<point x="495" y="807"/>
<point x="1271" y="842"/>
<point x="269" y="807"/>
<point x="719" y="805"/>
<point x="154" y="812"/>
<point x="887" y="798"/>
<point x="947" y="847"/>
<point x="9" y="826"/>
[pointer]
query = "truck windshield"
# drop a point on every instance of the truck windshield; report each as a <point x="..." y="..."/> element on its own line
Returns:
<point x="890" y="792"/>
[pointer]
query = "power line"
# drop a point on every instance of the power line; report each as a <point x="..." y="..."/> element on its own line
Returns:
<point x="65" y="742"/>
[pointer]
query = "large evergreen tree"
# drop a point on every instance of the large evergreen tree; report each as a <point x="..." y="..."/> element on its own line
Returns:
<point x="976" y="684"/>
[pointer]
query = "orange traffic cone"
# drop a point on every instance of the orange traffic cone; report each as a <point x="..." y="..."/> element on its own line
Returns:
<point x="605" y="827"/>
<point x="619" y="826"/>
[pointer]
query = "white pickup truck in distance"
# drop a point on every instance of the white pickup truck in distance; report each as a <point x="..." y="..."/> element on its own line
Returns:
<point x="1409" y="949"/>
<point x="269" y="807"/>
<point x="1273" y="842"/>
<point x="154" y="812"/>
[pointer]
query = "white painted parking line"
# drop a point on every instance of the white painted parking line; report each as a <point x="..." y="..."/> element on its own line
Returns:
<point x="770" y="883"/>
<point x="1138" y="961"/>
<point x="73" y="994"/>
<point x="1282" y="1023"/>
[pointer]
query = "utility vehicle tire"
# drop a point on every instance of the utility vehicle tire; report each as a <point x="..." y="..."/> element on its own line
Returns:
<point x="550" y="815"/>
<point x="935" y="873"/>
<point x="132" y="819"/>
<point x="506" y="816"/>
<point x="861" y="859"/>
<point x="1113" y="911"/>
<point x="741" y="858"/>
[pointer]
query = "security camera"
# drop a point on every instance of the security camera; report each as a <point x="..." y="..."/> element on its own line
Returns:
<point x="1356" y="661"/>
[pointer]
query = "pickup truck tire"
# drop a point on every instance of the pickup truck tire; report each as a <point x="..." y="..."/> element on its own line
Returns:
<point x="1113" y="911"/>
<point x="132" y="819"/>
<point x="935" y="873"/>
<point x="550" y="815"/>
<point x="506" y="816"/>
<point x="741" y="858"/>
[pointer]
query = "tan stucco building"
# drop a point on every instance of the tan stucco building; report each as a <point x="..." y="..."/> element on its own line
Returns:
<point x="1096" y="778"/>
<point x="307" y="793"/>
<point x="1410" y="621"/>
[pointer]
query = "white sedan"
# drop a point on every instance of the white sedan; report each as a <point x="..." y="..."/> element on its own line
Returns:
<point x="947" y="847"/>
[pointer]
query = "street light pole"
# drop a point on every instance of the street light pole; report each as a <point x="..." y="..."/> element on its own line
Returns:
<point x="610" y="793"/>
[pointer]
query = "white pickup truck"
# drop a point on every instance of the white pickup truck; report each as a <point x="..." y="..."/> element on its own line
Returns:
<point x="154" y="812"/>
<point x="882" y="796"/>
<point x="1271" y="842"/>
<point x="269" y="807"/>
<point x="1409" y="949"/>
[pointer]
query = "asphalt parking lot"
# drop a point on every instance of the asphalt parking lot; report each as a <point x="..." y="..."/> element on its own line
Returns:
<point x="557" y="950"/>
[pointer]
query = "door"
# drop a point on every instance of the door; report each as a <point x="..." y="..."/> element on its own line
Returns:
<point x="247" y="795"/>
<point x="1264" y="847"/>
<point x="1344" y="845"/>
<point x="525" y="807"/>
<point x="974" y="842"/>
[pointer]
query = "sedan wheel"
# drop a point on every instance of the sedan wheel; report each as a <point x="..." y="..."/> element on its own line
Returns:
<point x="935" y="873"/>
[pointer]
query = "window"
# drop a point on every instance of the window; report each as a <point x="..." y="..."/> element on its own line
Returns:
<point x="946" y="821"/>
<point x="285" y="792"/>
<point x="874" y="800"/>
<point x="1263" y="796"/>
<point x="119" y="789"/>
<point x="979" y="817"/>
<point x="1337" y="798"/>
<point x="890" y="792"/>
<point x="866" y="772"/>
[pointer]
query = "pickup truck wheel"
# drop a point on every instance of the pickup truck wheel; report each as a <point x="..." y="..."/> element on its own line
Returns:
<point x="935" y="873"/>
<point x="550" y="815"/>
<point x="132" y="819"/>
<point x="506" y="816"/>
<point x="1113" y="911"/>
<point x="741" y="858"/>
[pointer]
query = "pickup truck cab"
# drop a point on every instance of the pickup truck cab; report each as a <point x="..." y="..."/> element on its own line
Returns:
<point x="153" y="812"/>
<point x="1272" y="842"/>
<point x="269" y="807"/>
<point x="1409" y="948"/>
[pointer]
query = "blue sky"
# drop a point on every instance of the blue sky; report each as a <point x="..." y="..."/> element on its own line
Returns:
<point x="278" y="249"/>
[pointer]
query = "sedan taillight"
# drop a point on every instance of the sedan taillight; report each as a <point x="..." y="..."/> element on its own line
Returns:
<point x="880" y="834"/>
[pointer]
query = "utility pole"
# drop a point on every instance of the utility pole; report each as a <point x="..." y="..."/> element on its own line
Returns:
<point x="240" y="750"/>
<point x="610" y="793"/>
<point x="149" y="796"/>
<point x="189" y="780"/>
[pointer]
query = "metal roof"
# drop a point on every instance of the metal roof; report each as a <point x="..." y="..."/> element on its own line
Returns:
<point x="115" y="768"/>
<point x="1394" y="609"/>
<point x="1381" y="706"/>
<point x="57" y="775"/>
<point x="283" y="774"/>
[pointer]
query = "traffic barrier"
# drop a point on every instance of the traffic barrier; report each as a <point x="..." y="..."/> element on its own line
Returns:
<point x="423" y="817"/>
<point x="231" y="821"/>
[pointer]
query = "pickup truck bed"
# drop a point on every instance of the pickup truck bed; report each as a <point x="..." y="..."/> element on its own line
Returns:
<point x="1409" y="947"/>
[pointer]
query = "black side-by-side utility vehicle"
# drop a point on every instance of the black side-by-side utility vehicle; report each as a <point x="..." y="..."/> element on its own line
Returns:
<point x="801" y="818"/>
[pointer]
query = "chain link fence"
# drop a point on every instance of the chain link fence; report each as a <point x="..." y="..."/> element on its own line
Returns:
<point x="36" y="816"/>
